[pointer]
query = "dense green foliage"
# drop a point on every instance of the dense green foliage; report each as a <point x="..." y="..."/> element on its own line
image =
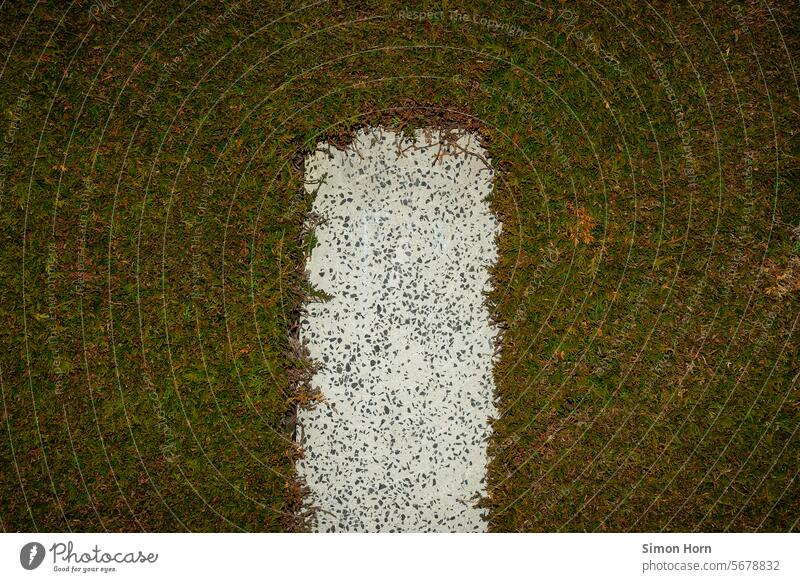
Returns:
<point x="151" y="214"/>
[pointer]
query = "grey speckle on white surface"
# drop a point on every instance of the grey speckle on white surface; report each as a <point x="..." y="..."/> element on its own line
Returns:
<point x="405" y="343"/>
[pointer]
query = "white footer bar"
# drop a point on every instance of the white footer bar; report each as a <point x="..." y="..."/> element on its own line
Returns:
<point x="378" y="557"/>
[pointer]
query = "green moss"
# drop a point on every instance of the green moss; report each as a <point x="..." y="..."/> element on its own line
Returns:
<point x="151" y="217"/>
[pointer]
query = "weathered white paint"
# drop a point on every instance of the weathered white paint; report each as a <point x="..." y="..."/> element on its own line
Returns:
<point x="407" y="346"/>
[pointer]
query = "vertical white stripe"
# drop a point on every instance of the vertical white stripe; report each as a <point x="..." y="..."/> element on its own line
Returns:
<point x="406" y="343"/>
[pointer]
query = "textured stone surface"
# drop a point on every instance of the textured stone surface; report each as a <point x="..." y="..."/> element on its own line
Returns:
<point x="405" y="342"/>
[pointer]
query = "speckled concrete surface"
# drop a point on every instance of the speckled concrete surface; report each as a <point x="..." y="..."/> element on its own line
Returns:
<point x="405" y="342"/>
